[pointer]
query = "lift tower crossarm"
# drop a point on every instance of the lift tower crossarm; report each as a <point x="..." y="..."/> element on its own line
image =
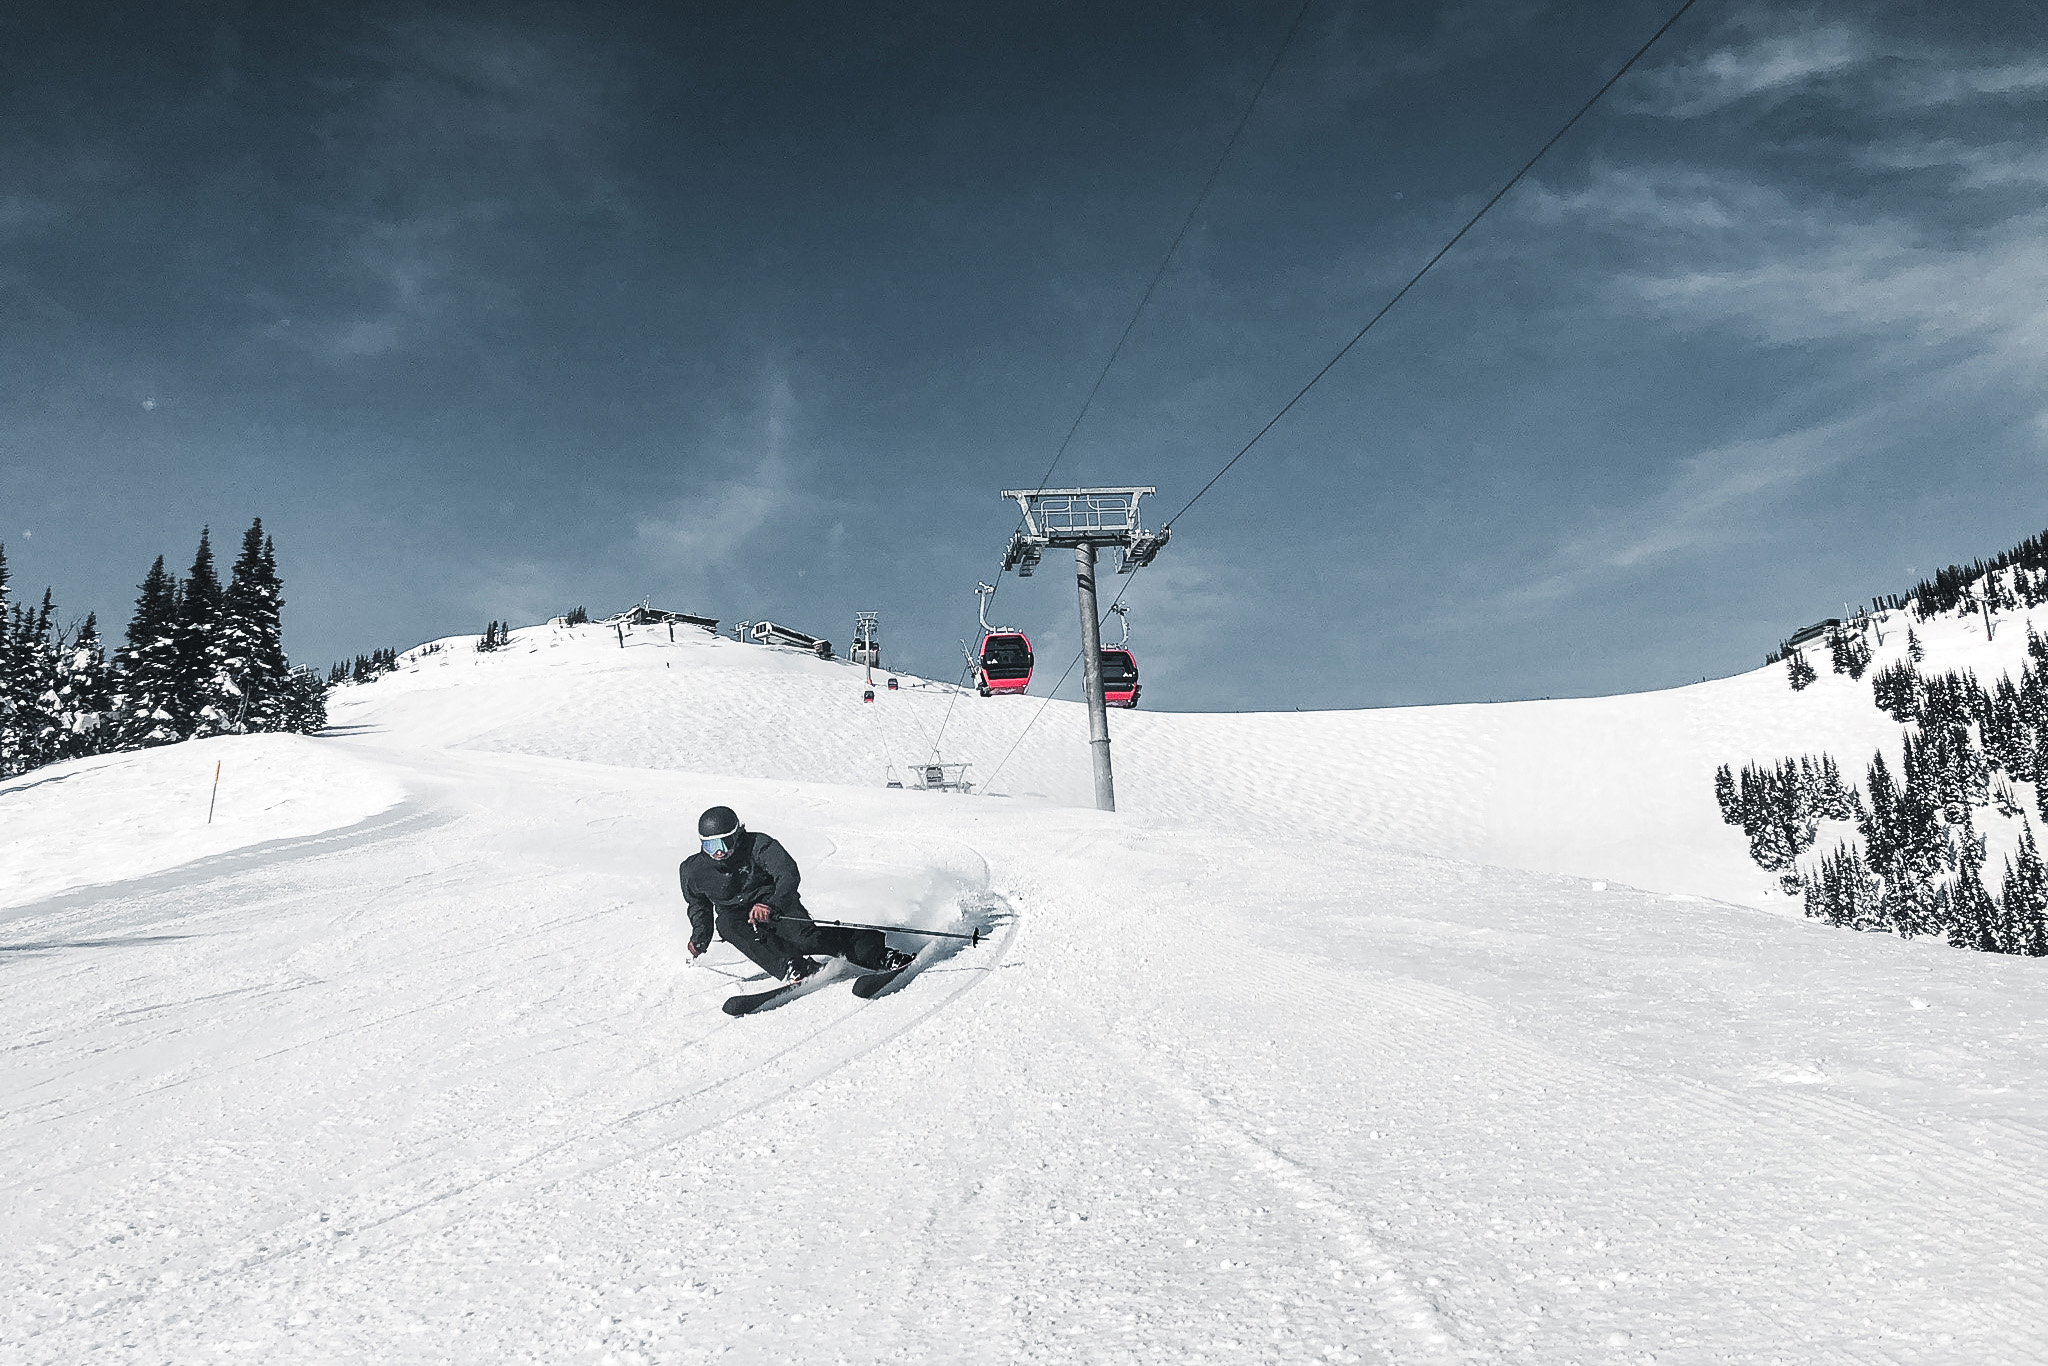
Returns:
<point x="1072" y="518"/>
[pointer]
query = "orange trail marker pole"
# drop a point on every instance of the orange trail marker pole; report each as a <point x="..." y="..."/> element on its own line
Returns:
<point x="216" y="792"/>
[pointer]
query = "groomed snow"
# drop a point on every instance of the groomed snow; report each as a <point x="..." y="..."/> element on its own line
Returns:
<point x="116" y="817"/>
<point x="1431" y="1035"/>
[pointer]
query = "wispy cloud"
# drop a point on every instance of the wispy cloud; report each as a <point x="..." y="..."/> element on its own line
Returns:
<point x="1941" y="82"/>
<point x="1767" y="66"/>
<point x="1771" y="53"/>
<point x="746" y="483"/>
<point x="464" y="136"/>
<point x="1704" y="246"/>
<point x="1971" y="166"/>
<point x="1706" y="506"/>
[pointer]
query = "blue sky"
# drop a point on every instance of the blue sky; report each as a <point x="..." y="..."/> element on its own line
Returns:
<point x="490" y="311"/>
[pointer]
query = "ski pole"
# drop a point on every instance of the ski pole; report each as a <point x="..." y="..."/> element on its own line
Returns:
<point x="974" y="938"/>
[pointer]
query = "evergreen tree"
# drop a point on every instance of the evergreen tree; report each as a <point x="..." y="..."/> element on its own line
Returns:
<point x="204" y="705"/>
<point x="1914" y="650"/>
<point x="1833" y="799"/>
<point x="84" y="690"/>
<point x="10" y="701"/>
<point x="2041" y="772"/>
<point x="146" y="682"/>
<point x="256" y="673"/>
<point x="1849" y="652"/>
<point x="1800" y="671"/>
<point x="1724" y="795"/>
<point x="1971" y="913"/>
<point x="2024" y="900"/>
<point x="1843" y="892"/>
<point x="1879" y="821"/>
<point x="1896" y="690"/>
<point x="303" y="704"/>
<point x="38" y="727"/>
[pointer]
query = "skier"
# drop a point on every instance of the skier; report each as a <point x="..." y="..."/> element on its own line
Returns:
<point x="746" y="883"/>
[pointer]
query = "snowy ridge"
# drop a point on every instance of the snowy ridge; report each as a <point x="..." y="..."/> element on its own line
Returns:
<point x="1343" y="1041"/>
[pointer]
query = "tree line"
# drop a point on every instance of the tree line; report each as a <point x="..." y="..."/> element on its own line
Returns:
<point x="1918" y="866"/>
<point x="2012" y="578"/>
<point x="199" y="658"/>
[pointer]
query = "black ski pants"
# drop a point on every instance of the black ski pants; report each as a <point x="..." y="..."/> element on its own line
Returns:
<point x="772" y="944"/>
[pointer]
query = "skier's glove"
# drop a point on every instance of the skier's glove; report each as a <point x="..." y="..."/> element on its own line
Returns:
<point x="697" y="950"/>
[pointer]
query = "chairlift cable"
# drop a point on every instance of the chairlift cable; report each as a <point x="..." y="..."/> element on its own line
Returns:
<point x="989" y="782"/>
<point x="1172" y="249"/>
<point x="1174" y="246"/>
<point x="1456" y="237"/>
<point x="947" y="719"/>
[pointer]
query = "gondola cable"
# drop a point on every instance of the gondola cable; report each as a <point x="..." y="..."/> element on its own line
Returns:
<point x="1442" y="252"/>
<point x="1172" y="249"/>
<point x="1372" y="322"/>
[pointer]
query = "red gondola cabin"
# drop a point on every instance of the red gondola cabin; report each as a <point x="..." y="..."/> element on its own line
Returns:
<point x="1119" y="678"/>
<point x="1005" y="665"/>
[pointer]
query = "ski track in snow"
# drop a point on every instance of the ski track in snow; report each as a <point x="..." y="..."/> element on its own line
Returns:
<point x="1269" y="1068"/>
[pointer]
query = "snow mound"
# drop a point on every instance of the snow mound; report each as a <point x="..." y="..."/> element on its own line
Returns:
<point x="119" y="816"/>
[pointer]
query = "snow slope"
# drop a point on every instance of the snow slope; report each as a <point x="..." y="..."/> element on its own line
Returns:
<point x="1349" y="1038"/>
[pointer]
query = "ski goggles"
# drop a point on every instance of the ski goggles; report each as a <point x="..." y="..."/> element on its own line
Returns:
<point x="718" y="846"/>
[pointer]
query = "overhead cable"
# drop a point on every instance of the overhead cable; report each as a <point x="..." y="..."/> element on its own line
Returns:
<point x="1399" y="294"/>
<point x="1443" y="251"/>
<point x="1172" y="248"/>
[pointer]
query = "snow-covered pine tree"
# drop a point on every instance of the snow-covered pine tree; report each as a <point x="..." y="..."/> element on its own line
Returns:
<point x="1878" y="821"/>
<point x="1848" y="651"/>
<point x="204" y="706"/>
<point x="1800" y="672"/>
<point x="2007" y="745"/>
<point x="1914" y="650"/>
<point x="303" y="703"/>
<point x="1897" y="691"/>
<point x="10" y="703"/>
<point x="1834" y="799"/>
<point x="84" y="690"/>
<point x="1972" y="916"/>
<point x="38" y="727"/>
<point x="146" y="678"/>
<point x="255" y="672"/>
<point x="1843" y="892"/>
<point x="1725" y="796"/>
<point x="2024" y="899"/>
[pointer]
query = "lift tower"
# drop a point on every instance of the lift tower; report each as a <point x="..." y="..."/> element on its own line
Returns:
<point x="1087" y="520"/>
<point x="867" y="639"/>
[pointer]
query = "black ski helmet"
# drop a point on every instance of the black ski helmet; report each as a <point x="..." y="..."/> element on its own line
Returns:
<point x="718" y="830"/>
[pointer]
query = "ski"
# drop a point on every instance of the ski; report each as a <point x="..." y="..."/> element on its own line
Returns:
<point x="748" y="1003"/>
<point x="872" y="984"/>
<point x="865" y="986"/>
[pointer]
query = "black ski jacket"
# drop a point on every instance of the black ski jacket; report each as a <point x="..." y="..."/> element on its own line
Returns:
<point x="759" y="869"/>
